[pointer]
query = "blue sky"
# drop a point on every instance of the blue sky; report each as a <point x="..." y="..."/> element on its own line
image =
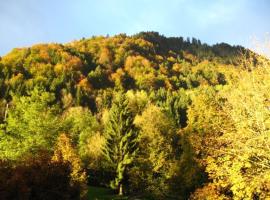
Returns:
<point x="26" y="22"/>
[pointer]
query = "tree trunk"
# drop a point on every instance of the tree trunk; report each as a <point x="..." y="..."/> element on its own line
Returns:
<point x="6" y="112"/>
<point x="120" y="189"/>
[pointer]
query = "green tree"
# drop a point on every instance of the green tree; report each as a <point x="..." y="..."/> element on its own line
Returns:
<point x="31" y="124"/>
<point x="121" y="140"/>
<point x="81" y="126"/>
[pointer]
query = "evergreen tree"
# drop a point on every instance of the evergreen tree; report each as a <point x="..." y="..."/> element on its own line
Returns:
<point x="121" y="140"/>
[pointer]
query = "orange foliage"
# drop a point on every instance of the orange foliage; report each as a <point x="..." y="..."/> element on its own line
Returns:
<point x="189" y="57"/>
<point x="85" y="85"/>
<point x="74" y="63"/>
<point x="105" y="56"/>
<point x="134" y="64"/>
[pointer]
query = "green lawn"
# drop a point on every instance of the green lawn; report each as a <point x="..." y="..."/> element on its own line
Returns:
<point x="101" y="193"/>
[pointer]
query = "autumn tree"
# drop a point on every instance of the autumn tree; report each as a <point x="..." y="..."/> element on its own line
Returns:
<point x="36" y="177"/>
<point x="154" y="164"/>
<point x="231" y="135"/>
<point x="64" y="152"/>
<point x="242" y="163"/>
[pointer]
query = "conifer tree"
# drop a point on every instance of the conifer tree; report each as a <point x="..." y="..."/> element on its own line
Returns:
<point x="121" y="140"/>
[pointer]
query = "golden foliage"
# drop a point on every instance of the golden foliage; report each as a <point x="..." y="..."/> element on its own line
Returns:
<point x="135" y="65"/>
<point x="234" y="123"/>
<point x="13" y="81"/>
<point x="208" y="192"/>
<point x="94" y="150"/>
<point x="85" y="85"/>
<point x="64" y="152"/>
<point x="105" y="56"/>
<point x="117" y="76"/>
<point x="154" y="136"/>
<point x="59" y="68"/>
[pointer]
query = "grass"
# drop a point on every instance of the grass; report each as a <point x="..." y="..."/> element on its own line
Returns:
<point x="101" y="193"/>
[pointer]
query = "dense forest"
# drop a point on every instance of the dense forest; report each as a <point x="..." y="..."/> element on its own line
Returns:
<point x="151" y="117"/>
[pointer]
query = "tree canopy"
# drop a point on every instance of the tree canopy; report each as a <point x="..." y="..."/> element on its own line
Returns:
<point x="151" y="116"/>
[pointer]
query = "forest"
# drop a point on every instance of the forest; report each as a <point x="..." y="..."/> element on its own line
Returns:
<point x="148" y="116"/>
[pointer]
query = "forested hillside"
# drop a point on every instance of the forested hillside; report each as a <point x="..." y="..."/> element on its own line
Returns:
<point x="151" y="117"/>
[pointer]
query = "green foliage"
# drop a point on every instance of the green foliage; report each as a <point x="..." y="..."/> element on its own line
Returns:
<point x="155" y="162"/>
<point x="121" y="140"/>
<point x="30" y="125"/>
<point x="137" y="100"/>
<point x="174" y="104"/>
<point x="197" y="108"/>
<point x="101" y="193"/>
<point x="85" y="133"/>
<point x="99" y="78"/>
<point x="80" y="123"/>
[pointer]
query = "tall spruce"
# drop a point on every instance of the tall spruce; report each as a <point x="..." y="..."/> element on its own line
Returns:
<point x="121" y="140"/>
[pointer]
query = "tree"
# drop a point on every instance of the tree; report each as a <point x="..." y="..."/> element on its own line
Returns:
<point x="231" y="135"/>
<point x="153" y="166"/>
<point x="37" y="178"/>
<point x="79" y="121"/>
<point x="98" y="78"/>
<point x="64" y="152"/>
<point x="81" y="126"/>
<point x="121" y="140"/>
<point x="30" y="125"/>
<point x="242" y="164"/>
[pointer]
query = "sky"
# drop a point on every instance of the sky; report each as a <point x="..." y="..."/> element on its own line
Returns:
<point x="27" y="22"/>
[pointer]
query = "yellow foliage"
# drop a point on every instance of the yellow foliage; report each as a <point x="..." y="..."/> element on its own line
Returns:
<point x="43" y="53"/>
<point x="16" y="79"/>
<point x="154" y="136"/>
<point x="64" y="152"/>
<point x="66" y="99"/>
<point x="59" y="68"/>
<point x="163" y="70"/>
<point x="236" y="134"/>
<point x="176" y="67"/>
<point x="74" y="63"/>
<point x="116" y="77"/>
<point x="189" y="57"/>
<point x="159" y="58"/>
<point x="171" y="59"/>
<point x="137" y="100"/>
<point x="208" y="192"/>
<point x="85" y="85"/>
<point x="105" y="56"/>
<point x="94" y="149"/>
<point x="136" y="65"/>
<point x="105" y="116"/>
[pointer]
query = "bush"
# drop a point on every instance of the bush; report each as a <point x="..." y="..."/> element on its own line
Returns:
<point x="37" y="178"/>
